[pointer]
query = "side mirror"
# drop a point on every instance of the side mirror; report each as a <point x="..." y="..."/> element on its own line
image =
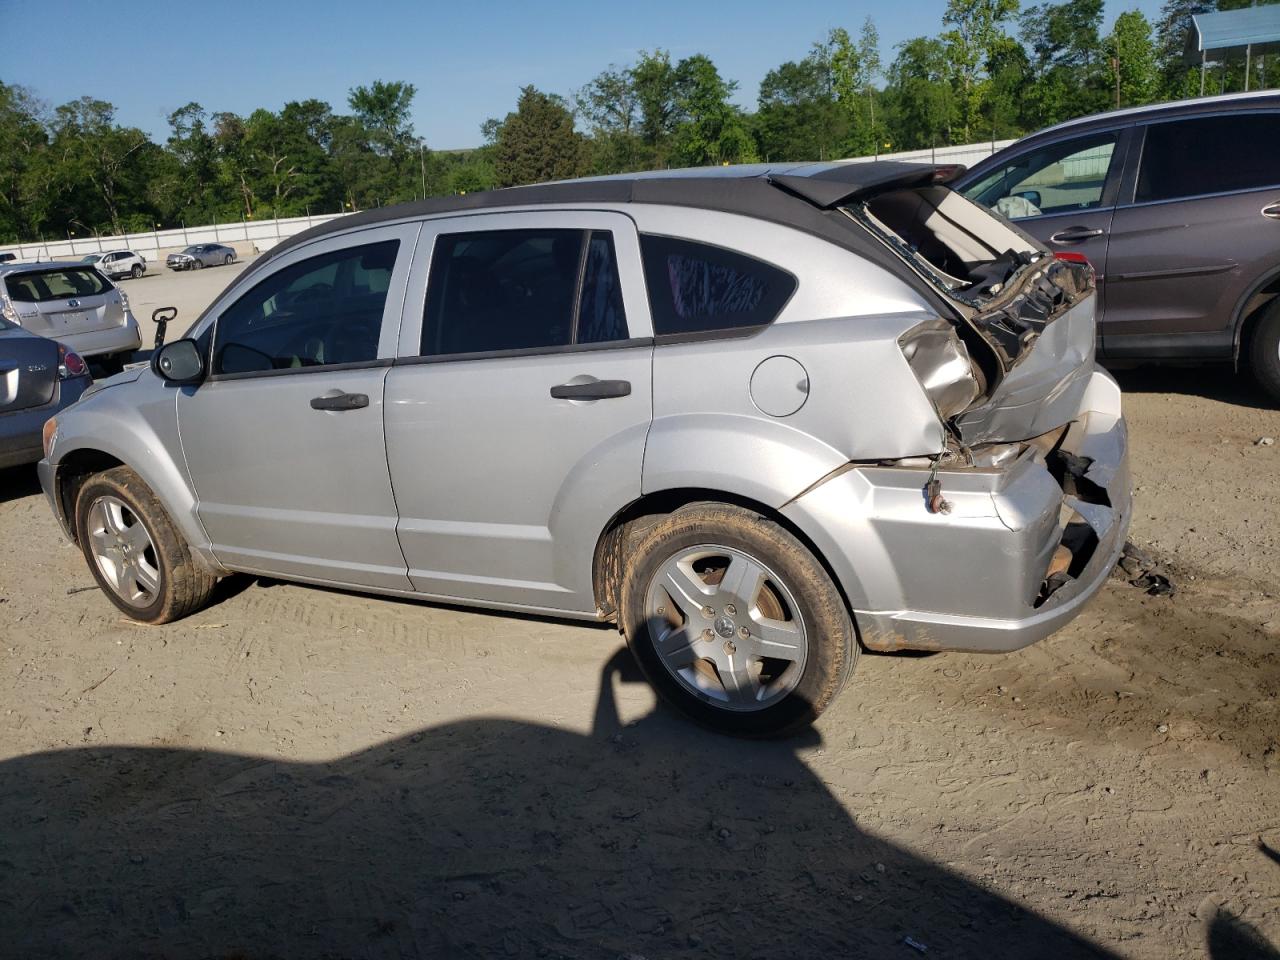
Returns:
<point x="1031" y="196"/>
<point x="179" y="362"/>
<point x="161" y="317"/>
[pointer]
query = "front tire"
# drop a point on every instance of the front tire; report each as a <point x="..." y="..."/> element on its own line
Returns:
<point x="735" y="622"/>
<point x="197" y="264"/>
<point x="227" y="260"/>
<point x="1264" y="351"/>
<point x="137" y="556"/>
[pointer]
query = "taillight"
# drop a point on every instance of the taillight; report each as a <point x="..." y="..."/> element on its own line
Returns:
<point x="940" y="361"/>
<point x="70" y="364"/>
<point x="1071" y="256"/>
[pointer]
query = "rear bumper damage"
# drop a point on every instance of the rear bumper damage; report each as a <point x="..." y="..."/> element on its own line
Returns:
<point x="1025" y="545"/>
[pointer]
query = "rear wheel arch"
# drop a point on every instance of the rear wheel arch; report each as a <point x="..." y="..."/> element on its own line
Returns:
<point x="629" y="523"/>
<point x="1250" y="311"/>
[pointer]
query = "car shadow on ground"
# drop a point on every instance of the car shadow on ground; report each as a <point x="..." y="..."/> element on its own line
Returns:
<point x="18" y="482"/>
<point x="1211" y="381"/>
<point x="481" y="838"/>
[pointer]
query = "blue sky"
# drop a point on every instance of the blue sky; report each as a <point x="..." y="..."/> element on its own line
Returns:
<point x="468" y="58"/>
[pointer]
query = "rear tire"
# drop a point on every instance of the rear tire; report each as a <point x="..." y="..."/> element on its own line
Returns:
<point x="1264" y="351"/>
<point x="137" y="271"/>
<point x="778" y="644"/>
<point x="135" y="553"/>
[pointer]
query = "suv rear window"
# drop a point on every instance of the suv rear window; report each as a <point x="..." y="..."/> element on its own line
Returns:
<point x="55" y="284"/>
<point x="698" y="288"/>
<point x="1188" y="158"/>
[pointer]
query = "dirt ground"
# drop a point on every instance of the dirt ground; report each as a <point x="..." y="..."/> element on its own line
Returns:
<point x="300" y="773"/>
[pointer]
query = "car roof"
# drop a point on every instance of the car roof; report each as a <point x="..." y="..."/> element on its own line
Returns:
<point x="1174" y="108"/>
<point x="16" y="266"/>
<point x="793" y="194"/>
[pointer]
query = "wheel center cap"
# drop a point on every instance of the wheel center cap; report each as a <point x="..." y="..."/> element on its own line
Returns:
<point x="725" y="627"/>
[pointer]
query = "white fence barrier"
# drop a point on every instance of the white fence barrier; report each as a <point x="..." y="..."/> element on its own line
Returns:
<point x="255" y="236"/>
<point x="248" y="238"/>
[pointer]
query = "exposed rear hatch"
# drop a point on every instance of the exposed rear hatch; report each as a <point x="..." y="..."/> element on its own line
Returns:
<point x="1025" y="318"/>
<point x="63" y="300"/>
<point x="28" y="369"/>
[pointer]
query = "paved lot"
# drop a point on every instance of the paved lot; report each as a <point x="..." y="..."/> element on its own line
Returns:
<point x="188" y="290"/>
<point x="298" y="772"/>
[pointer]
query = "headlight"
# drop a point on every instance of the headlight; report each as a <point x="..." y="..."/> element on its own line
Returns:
<point x="49" y="435"/>
<point x="941" y="362"/>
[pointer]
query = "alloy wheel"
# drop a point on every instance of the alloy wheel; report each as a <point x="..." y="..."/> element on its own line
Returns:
<point x="123" y="551"/>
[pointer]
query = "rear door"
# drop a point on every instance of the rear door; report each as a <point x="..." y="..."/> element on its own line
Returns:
<point x="284" y="439"/>
<point x="518" y="410"/>
<point x="1062" y="193"/>
<point x="64" y="300"/>
<point x="1202" y="228"/>
<point x="28" y="369"/>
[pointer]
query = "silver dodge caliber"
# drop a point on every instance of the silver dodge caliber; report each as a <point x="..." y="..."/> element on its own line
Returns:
<point x="758" y="417"/>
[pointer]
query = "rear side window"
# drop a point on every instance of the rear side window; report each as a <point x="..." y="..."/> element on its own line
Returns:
<point x="317" y="312"/>
<point x="1187" y="158"/>
<point x="496" y="290"/>
<point x="698" y="288"/>
<point x="56" y="284"/>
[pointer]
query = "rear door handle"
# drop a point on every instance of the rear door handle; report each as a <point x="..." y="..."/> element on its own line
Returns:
<point x="1075" y="235"/>
<point x="592" y="390"/>
<point x="340" y="401"/>
<point x="1272" y="210"/>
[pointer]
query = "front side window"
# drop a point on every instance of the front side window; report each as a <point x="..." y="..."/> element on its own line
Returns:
<point x="318" y="312"/>
<point x="1058" y="178"/>
<point x="56" y="284"/>
<point x="1188" y="158"/>
<point x="697" y="288"/>
<point x="536" y="289"/>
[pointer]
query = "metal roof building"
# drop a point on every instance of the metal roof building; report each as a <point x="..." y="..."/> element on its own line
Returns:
<point x="1255" y="30"/>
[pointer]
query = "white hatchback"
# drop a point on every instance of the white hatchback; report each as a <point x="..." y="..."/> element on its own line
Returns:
<point x="74" y="304"/>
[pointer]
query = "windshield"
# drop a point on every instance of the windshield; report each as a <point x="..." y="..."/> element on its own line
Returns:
<point x="191" y="250"/>
<point x="57" y="284"/>
<point x="91" y="258"/>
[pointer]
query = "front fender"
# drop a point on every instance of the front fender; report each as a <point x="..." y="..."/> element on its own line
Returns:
<point x="135" y="423"/>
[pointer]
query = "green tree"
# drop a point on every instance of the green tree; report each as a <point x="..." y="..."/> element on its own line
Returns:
<point x="610" y="106"/>
<point x="657" y="88"/>
<point x="23" y="162"/>
<point x="1133" y="60"/>
<point x="1068" y="63"/>
<point x="712" y="130"/>
<point x="101" y="165"/>
<point x="537" y="142"/>
<point x="797" y="117"/>
<point x="976" y="30"/>
<point x="920" y="97"/>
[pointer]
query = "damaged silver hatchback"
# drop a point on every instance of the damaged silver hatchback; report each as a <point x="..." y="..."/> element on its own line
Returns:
<point x="757" y="417"/>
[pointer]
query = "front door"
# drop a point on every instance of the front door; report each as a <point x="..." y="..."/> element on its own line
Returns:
<point x="284" y="440"/>
<point x="1202" y="230"/>
<point x="517" y="414"/>
<point x="1063" y="194"/>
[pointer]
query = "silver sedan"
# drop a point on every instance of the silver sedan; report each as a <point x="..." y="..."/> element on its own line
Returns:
<point x="201" y="255"/>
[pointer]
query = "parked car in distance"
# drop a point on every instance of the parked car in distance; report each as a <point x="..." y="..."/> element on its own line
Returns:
<point x="38" y="377"/>
<point x="201" y="255"/>
<point x="751" y="415"/>
<point x="118" y="263"/>
<point x="74" y="304"/>
<point x="1177" y="206"/>
<point x="6" y="257"/>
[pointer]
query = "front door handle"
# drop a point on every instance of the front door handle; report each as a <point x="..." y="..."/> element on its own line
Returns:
<point x="1075" y="235"/>
<point x="340" y="401"/>
<point x="592" y="390"/>
<point x="1272" y="210"/>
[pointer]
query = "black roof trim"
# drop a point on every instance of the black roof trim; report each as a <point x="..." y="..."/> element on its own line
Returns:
<point x="849" y="181"/>
<point x="796" y="195"/>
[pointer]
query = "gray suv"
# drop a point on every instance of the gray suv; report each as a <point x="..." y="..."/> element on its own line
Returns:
<point x="754" y="416"/>
<point x="1177" y="207"/>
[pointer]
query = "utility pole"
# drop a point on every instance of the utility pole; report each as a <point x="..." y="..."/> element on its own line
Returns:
<point x="422" y="163"/>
